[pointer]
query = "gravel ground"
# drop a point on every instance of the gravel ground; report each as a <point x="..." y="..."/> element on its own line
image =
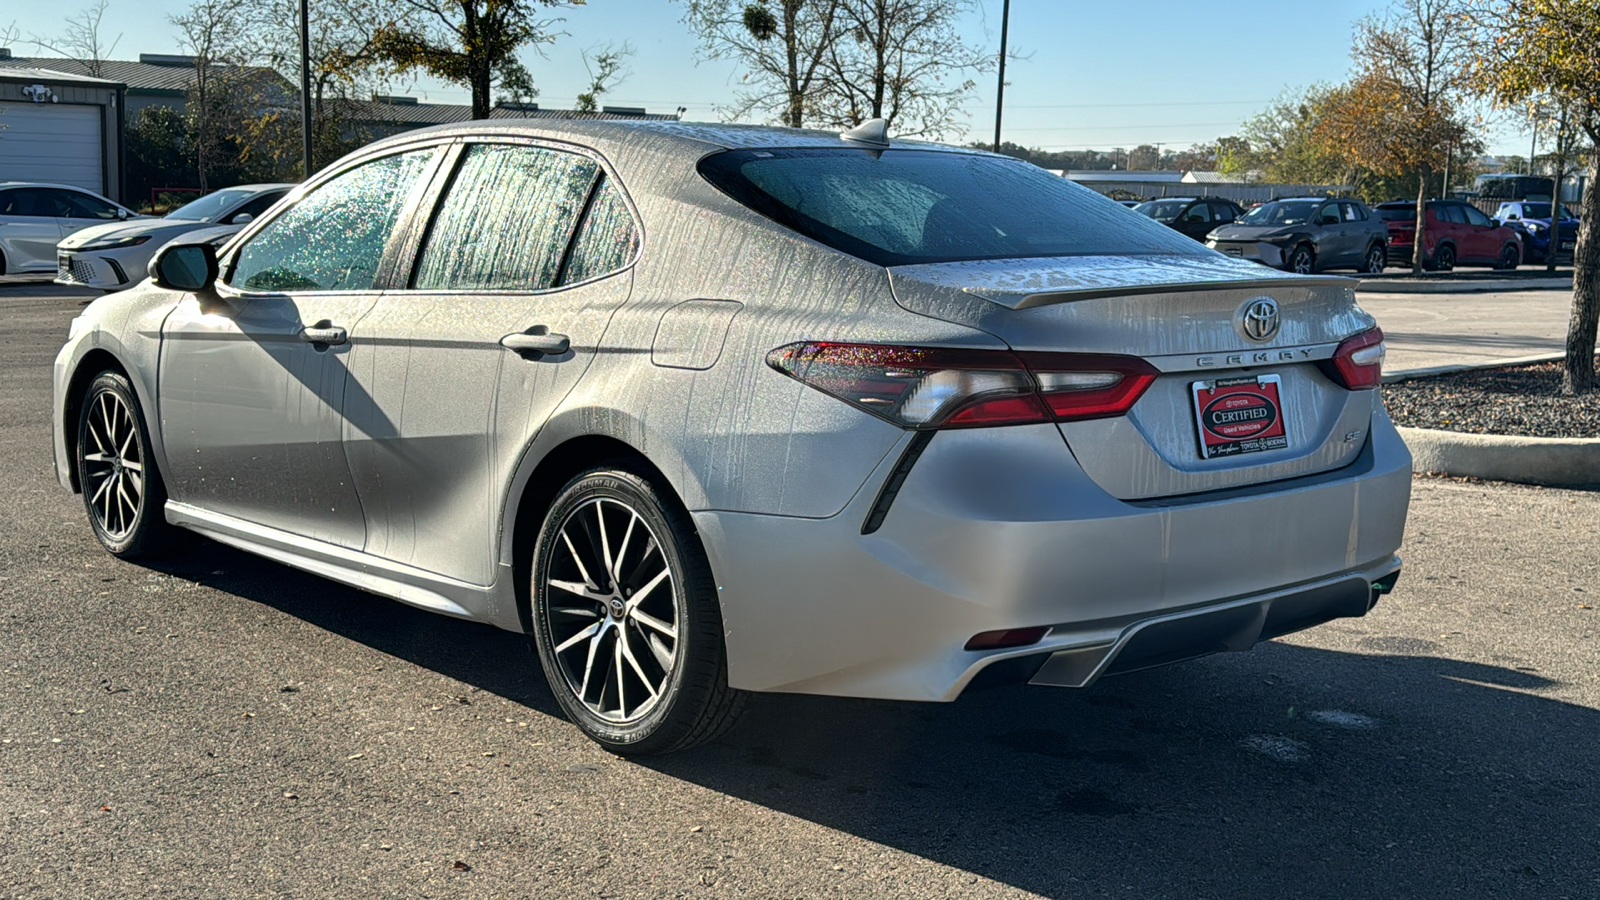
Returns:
<point x="1523" y="400"/>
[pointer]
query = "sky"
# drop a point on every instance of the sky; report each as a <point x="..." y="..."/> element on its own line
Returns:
<point x="1091" y="74"/>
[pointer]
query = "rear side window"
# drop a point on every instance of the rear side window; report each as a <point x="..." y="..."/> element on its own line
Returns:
<point x="506" y="219"/>
<point x="1353" y="212"/>
<point x="904" y="207"/>
<point x="607" y="240"/>
<point x="333" y="239"/>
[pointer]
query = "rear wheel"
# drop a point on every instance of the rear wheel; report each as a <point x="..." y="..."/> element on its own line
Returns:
<point x="1376" y="258"/>
<point x="1302" y="260"/>
<point x="1510" y="257"/>
<point x="1444" y="258"/>
<point x="626" y="618"/>
<point x="122" y="489"/>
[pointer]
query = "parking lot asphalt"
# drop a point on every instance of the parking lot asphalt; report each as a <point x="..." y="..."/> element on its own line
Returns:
<point x="1426" y="330"/>
<point x="220" y="726"/>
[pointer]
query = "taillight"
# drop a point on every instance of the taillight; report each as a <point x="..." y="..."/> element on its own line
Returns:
<point x="938" y="387"/>
<point x="1358" y="361"/>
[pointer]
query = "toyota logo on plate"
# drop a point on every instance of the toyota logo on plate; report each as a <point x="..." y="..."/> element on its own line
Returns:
<point x="1259" y="318"/>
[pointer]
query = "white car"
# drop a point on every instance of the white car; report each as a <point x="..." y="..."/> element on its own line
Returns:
<point x="114" y="256"/>
<point x="34" y="217"/>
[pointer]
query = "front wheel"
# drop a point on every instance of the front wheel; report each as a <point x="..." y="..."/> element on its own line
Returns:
<point x="626" y="619"/>
<point x="1510" y="257"/>
<point x="1377" y="257"/>
<point x="1302" y="260"/>
<point x="122" y="489"/>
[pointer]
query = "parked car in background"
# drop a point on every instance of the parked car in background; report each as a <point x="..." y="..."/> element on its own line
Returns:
<point x="1531" y="220"/>
<point x="1130" y="203"/>
<point x="713" y="409"/>
<point x="1458" y="234"/>
<point x="34" y="217"/>
<point x="114" y="256"/>
<point x="1194" y="216"/>
<point x="1307" y="234"/>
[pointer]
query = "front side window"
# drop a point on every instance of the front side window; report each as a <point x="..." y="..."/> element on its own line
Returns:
<point x="607" y="240"/>
<point x="333" y="239"/>
<point x="74" y="205"/>
<point x="1476" y="217"/>
<point x="905" y="207"/>
<point x="506" y="220"/>
<point x="1452" y="213"/>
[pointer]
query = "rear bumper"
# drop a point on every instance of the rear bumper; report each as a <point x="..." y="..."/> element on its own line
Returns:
<point x="1000" y="528"/>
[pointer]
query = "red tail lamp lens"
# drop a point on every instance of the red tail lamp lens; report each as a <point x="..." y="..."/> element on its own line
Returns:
<point x="930" y="387"/>
<point x="1010" y="637"/>
<point x="1358" y="362"/>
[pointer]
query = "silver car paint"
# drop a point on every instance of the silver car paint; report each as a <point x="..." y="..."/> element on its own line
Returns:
<point x="995" y="528"/>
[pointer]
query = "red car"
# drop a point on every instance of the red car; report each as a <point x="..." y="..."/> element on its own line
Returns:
<point x="1458" y="234"/>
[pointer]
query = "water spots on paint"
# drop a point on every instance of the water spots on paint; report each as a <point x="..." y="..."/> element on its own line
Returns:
<point x="1278" y="748"/>
<point x="1341" y="719"/>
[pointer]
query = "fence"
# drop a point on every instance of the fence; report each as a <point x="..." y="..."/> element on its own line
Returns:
<point x="1241" y="193"/>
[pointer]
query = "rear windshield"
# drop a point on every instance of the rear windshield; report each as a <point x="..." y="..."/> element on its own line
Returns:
<point x="1397" y="213"/>
<point x="905" y="207"/>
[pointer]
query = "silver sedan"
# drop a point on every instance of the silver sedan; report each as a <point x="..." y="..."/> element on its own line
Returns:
<point x="711" y="410"/>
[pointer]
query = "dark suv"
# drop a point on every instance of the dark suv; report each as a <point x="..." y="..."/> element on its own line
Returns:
<point x="1458" y="234"/>
<point x="1307" y="234"/>
<point x="1194" y="216"/>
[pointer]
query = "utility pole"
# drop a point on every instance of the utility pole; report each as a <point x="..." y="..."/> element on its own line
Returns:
<point x="1000" y="89"/>
<point x="305" y="88"/>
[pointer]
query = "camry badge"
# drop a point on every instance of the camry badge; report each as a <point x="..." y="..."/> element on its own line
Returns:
<point x="1259" y="319"/>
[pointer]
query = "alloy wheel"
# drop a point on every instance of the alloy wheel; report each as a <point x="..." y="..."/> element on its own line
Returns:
<point x="612" y="613"/>
<point x="1375" y="260"/>
<point x="113" y="466"/>
<point x="1301" y="260"/>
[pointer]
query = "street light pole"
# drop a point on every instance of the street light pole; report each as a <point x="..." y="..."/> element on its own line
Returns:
<point x="1000" y="89"/>
<point x="305" y="87"/>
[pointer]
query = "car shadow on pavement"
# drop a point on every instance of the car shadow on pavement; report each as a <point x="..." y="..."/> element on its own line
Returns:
<point x="1286" y="771"/>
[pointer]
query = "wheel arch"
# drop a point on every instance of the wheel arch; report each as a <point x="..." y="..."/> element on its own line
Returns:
<point x="537" y="488"/>
<point x="89" y="366"/>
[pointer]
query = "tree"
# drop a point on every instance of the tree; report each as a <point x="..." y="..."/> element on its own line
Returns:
<point x="210" y="31"/>
<point x="1524" y="48"/>
<point x="896" y="60"/>
<point x="781" y="44"/>
<point x="81" y="39"/>
<point x="1286" y="142"/>
<point x="470" y="42"/>
<point x="607" y="69"/>
<point x="1402" y="112"/>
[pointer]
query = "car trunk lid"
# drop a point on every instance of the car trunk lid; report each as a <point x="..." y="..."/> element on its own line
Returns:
<point x="1185" y="315"/>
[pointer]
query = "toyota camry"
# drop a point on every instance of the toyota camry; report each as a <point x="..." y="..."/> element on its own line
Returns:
<point x="711" y="410"/>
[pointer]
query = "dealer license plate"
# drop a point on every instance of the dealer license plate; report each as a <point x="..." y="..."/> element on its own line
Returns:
<point x="1566" y="245"/>
<point x="1239" y="415"/>
<point x="1234" y="251"/>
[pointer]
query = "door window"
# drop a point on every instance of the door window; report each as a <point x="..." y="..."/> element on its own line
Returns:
<point x="1476" y="217"/>
<point x="31" y="202"/>
<point x="1328" y="214"/>
<point x="75" y="205"/>
<point x="506" y="220"/>
<point x="1450" y="212"/>
<point x="333" y="239"/>
<point x="1352" y="212"/>
<point x="1200" y="212"/>
<point x="607" y="240"/>
<point x="1223" y="212"/>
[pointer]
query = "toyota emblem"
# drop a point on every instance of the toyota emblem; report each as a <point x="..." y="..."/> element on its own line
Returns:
<point x="1259" y="319"/>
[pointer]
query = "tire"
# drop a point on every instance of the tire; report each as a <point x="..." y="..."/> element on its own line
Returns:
<point x="1302" y="260"/>
<point x="1444" y="258"/>
<point x="122" y="489"/>
<point x="1510" y="257"/>
<point x="1377" y="257"/>
<point x="628" y="628"/>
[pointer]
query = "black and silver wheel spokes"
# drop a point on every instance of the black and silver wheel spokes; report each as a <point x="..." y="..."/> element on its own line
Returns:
<point x="113" y="466"/>
<point x="610" y="610"/>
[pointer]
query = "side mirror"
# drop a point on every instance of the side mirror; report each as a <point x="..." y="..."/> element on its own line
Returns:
<point x="243" y="218"/>
<point x="185" y="267"/>
<point x="122" y="214"/>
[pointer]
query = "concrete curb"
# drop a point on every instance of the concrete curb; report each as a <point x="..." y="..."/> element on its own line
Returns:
<point x="1557" y="462"/>
<point x="1452" y="368"/>
<point x="1431" y="286"/>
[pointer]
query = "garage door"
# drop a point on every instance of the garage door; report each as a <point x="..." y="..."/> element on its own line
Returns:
<point x="54" y="142"/>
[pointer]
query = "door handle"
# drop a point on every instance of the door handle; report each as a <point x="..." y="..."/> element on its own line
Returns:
<point x="324" y="332"/>
<point x="536" y="343"/>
